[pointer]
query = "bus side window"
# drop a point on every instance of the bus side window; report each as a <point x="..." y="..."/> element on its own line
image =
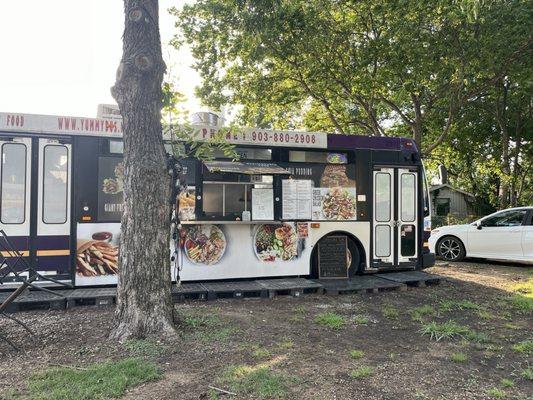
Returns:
<point x="13" y="203"/>
<point x="55" y="195"/>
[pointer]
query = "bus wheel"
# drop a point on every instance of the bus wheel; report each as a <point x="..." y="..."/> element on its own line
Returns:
<point x="450" y="248"/>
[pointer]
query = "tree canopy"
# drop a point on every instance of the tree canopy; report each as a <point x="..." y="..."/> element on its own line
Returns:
<point x="445" y="73"/>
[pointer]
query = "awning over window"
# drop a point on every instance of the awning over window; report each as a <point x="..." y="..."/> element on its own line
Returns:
<point x="245" y="168"/>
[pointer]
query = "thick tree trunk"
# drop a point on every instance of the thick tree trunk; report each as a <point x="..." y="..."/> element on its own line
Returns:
<point x="144" y="304"/>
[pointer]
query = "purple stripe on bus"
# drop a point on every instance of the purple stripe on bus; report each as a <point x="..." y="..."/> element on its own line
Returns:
<point x="60" y="264"/>
<point x="364" y="142"/>
<point x="18" y="242"/>
<point x="53" y="242"/>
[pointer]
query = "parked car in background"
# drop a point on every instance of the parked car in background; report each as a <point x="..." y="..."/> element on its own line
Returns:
<point x="504" y="235"/>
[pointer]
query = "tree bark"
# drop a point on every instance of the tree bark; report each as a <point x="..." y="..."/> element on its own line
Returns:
<point x="144" y="304"/>
<point x="501" y="117"/>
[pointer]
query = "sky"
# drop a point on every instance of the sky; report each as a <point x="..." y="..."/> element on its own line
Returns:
<point x="60" y="57"/>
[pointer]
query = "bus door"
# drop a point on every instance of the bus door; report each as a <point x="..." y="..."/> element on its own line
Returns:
<point x="394" y="217"/>
<point x="52" y="236"/>
<point x="15" y="184"/>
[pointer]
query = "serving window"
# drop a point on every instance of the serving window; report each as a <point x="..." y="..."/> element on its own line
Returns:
<point x="231" y="199"/>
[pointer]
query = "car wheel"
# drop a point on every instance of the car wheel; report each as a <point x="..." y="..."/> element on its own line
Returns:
<point x="451" y="249"/>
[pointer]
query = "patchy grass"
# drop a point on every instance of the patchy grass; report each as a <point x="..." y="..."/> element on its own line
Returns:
<point x="361" y="372"/>
<point x="478" y="337"/>
<point x="419" y="313"/>
<point x="458" y="305"/>
<point x="390" y="312"/>
<point x="527" y="373"/>
<point x="506" y="383"/>
<point x="356" y="354"/>
<point x="496" y="393"/>
<point x="285" y="344"/>
<point x="331" y="320"/>
<point x="522" y="299"/>
<point x="98" y="381"/>
<point x="509" y="325"/>
<point x="361" y="320"/>
<point x="260" y="353"/>
<point x="484" y="314"/>
<point x="446" y="330"/>
<point x="207" y="328"/>
<point x="450" y="330"/>
<point x="524" y="347"/>
<point x="256" y="381"/>
<point x="144" y="347"/>
<point x="459" y="357"/>
<point x="299" y="310"/>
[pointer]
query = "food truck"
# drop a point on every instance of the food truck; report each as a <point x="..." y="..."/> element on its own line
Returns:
<point x="325" y="206"/>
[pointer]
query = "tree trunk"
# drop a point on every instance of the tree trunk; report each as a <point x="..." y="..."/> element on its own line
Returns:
<point x="501" y="116"/>
<point x="144" y="304"/>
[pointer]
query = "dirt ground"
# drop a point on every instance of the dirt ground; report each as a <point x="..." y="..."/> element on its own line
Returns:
<point x="283" y="334"/>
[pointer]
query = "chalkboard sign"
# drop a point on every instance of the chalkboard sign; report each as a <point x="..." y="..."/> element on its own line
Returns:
<point x="332" y="257"/>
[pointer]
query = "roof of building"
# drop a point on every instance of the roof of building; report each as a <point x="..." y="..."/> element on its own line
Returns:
<point x="436" y="187"/>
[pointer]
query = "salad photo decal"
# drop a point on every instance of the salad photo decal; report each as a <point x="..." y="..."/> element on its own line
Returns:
<point x="204" y="244"/>
<point x="276" y="242"/>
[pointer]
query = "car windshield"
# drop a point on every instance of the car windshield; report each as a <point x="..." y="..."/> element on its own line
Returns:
<point x="505" y="218"/>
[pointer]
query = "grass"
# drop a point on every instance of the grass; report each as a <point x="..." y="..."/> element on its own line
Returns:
<point x="299" y="310"/>
<point x="527" y="373"/>
<point x="331" y="320"/>
<point x="496" y="393"/>
<point x="450" y="330"/>
<point x="361" y="372"/>
<point x="356" y="354"/>
<point x="521" y="304"/>
<point x="419" y="313"/>
<point x="458" y="305"/>
<point x="98" y="381"/>
<point x="446" y="330"/>
<point x="506" y="383"/>
<point x="286" y="344"/>
<point x="144" y="347"/>
<point x="459" y="357"/>
<point x="361" y="320"/>
<point x="390" y="312"/>
<point x="524" y="347"/>
<point x="208" y="328"/>
<point x="522" y="299"/>
<point x="260" y="353"/>
<point x="257" y="381"/>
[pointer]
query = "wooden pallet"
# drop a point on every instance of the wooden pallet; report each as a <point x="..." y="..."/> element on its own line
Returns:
<point x="189" y="291"/>
<point x="37" y="300"/>
<point x="358" y="284"/>
<point x="92" y="297"/>
<point x="239" y="289"/>
<point x="412" y="278"/>
<point x="294" y="287"/>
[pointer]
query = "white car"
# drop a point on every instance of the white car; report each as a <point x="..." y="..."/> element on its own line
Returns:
<point x="504" y="235"/>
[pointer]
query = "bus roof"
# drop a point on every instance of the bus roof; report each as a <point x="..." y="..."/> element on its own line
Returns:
<point x="105" y="127"/>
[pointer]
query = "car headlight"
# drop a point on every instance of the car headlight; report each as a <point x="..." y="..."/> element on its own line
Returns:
<point x="435" y="231"/>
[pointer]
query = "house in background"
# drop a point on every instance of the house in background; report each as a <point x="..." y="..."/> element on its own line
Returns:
<point x="447" y="200"/>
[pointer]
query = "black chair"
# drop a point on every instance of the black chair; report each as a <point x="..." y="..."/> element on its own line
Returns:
<point x="15" y="268"/>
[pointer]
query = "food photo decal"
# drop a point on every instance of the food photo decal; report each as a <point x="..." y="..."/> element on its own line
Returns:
<point x="276" y="242"/>
<point x="96" y="257"/>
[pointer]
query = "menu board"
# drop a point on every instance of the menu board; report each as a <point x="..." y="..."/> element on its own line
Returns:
<point x="304" y="190"/>
<point x="263" y="204"/>
<point x="297" y="199"/>
<point x="332" y="257"/>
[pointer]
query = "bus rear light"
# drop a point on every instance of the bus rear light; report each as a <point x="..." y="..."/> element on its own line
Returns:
<point x="315" y="225"/>
<point x="86" y="218"/>
<point x="426" y="244"/>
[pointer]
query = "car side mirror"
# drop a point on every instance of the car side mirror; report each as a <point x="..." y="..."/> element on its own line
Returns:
<point x="478" y="225"/>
